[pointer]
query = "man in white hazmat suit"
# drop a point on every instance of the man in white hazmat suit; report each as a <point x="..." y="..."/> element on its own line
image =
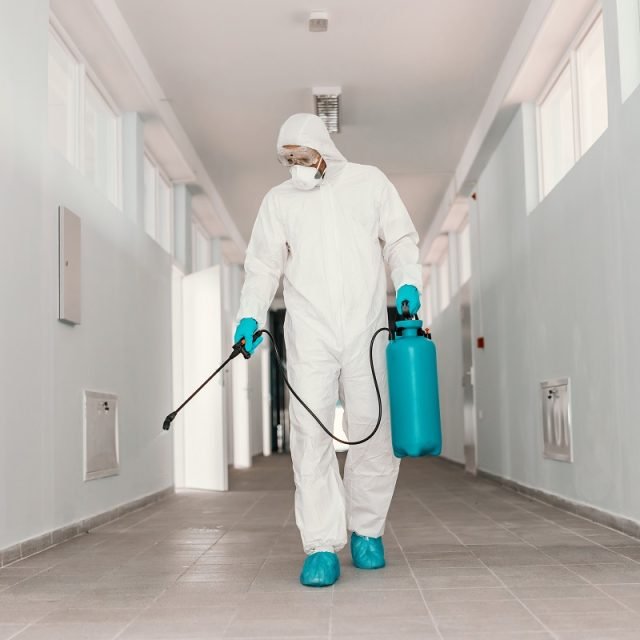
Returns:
<point x="329" y="230"/>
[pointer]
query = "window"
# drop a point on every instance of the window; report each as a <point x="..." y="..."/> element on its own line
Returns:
<point x="444" y="291"/>
<point x="556" y="132"/>
<point x="592" y="85"/>
<point x="165" y="214"/>
<point x="201" y="249"/>
<point x="62" y="98"/>
<point x="426" y="304"/>
<point x="82" y="126"/>
<point x="100" y="163"/>
<point x="158" y="205"/>
<point x="573" y="112"/>
<point x="629" y="45"/>
<point x="150" y="200"/>
<point x="464" y="253"/>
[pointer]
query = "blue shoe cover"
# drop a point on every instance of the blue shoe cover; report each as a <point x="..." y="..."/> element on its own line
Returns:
<point x="367" y="553"/>
<point x="320" y="569"/>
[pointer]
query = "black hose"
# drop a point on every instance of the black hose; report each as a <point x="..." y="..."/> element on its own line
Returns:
<point x="283" y="370"/>
<point x="239" y="348"/>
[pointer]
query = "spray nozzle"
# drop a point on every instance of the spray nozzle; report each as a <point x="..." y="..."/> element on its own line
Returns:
<point x="166" y="425"/>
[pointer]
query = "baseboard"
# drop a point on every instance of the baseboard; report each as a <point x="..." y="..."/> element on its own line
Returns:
<point x="57" y="536"/>
<point x="600" y="516"/>
<point x="451" y="461"/>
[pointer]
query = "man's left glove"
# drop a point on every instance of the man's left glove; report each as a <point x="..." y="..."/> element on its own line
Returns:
<point x="246" y="328"/>
<point x="408" y="293"/>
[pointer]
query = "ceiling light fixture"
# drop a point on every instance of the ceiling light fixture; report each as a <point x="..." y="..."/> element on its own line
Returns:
<point x="327" y="105"/>
<point x="318" y="22"/>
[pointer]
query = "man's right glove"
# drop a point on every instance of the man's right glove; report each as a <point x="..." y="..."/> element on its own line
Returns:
<point x="246" y="328"/>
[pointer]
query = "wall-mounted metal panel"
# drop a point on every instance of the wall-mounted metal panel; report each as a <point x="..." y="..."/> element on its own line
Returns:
<point x="69" y="266"/>
<point x="556" y="419"/>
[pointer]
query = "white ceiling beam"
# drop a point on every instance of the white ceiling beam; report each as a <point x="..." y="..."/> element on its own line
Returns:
<point x="124" y="38"/>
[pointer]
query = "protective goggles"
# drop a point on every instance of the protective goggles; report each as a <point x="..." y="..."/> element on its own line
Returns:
<point x="304" y="156"/>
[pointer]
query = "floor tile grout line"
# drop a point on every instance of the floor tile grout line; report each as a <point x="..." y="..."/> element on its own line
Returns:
<point x="562" y="510"/>
<point x="164" y="591"/>
<point x="568" y="567"/>
<point x="558" y="563"/>
<point x="415" y="579"/>
<point x="535" y="617"/>
<point x="234" y="616"/>
<point x="17" y="633"/>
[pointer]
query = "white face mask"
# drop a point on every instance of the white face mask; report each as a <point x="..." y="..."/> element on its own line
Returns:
<point x="305" y="178"/>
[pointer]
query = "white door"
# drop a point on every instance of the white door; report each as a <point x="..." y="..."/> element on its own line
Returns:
<point x="470" y="433"/>
<point x="203" y="435"/>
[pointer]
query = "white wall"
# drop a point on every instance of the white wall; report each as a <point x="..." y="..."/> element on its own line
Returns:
<point x="446" y="331"/>
<point x="556" y="295"/>
<point x="124" y="343"/>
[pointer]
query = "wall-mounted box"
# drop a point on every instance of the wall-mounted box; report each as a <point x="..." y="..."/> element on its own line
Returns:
<point x="556" y="419"/>
<point x="101" y="454"/>
<point x="69" y="266"/>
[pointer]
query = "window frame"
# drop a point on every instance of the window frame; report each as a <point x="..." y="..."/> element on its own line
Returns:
<point x="73" y="138"/>
<point x="444" y="263"/>
<point x="465" y="227"/>
<point x="198" y="228"/>
<point x="83" y="73"/>
<point x="568" y="61"/>
<point x="159" y="175"/>
<point x="92" y="80"/>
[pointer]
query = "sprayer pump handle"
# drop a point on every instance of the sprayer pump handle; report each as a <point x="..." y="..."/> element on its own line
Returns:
<point x="240" y="345"/>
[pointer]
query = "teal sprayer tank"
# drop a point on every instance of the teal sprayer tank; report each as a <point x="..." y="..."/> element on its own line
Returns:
<point x="413" y="392"/>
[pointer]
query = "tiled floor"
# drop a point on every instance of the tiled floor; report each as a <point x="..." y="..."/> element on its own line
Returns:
<point x="466" y="559"/>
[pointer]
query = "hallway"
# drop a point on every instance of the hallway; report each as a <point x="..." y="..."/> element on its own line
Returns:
<point x="466" y="559"/>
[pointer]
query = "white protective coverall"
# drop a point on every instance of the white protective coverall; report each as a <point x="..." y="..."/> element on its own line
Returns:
<point x="330" y="243"/>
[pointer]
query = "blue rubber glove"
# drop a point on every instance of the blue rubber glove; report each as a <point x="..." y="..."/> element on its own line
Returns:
<point x="409" y="293"/>
<point x="246" y="328"/>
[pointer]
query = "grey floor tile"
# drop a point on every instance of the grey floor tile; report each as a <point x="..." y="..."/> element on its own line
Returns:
<point x="538" y="576"/>
<point x="466" y="595"/>
<point x="601" y="620"/>
<point x="10" y="630"/>
<point x="378" y="604"/>
<point x="145" y="630"/>
<point x="511" y="555"/>
<point x="574" y="606"/>
<point x="358" y="626"/>
<point x="70" y="631"/>
<point x="247" y="627"/>
<point x="465" y="555"/>
<point x="618" y="573"/>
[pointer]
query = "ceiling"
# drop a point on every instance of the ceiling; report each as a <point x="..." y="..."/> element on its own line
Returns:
<point x="414" y="75"/>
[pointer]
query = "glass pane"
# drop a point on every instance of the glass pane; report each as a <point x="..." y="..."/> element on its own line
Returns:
<point x="556" y="132"/>
<point x="62" y="91"/>
<point x="592" y="81"/>
<point x="165" y="215"/>
<point x="464" y="247"/>
<point x="150" y="206"/>
<point x="629" y="45"/>
<point x="203" y="250"/>
<point x="426" y="305"/>
<point x="443" y="283"/>
<point x="100" y="143"/>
